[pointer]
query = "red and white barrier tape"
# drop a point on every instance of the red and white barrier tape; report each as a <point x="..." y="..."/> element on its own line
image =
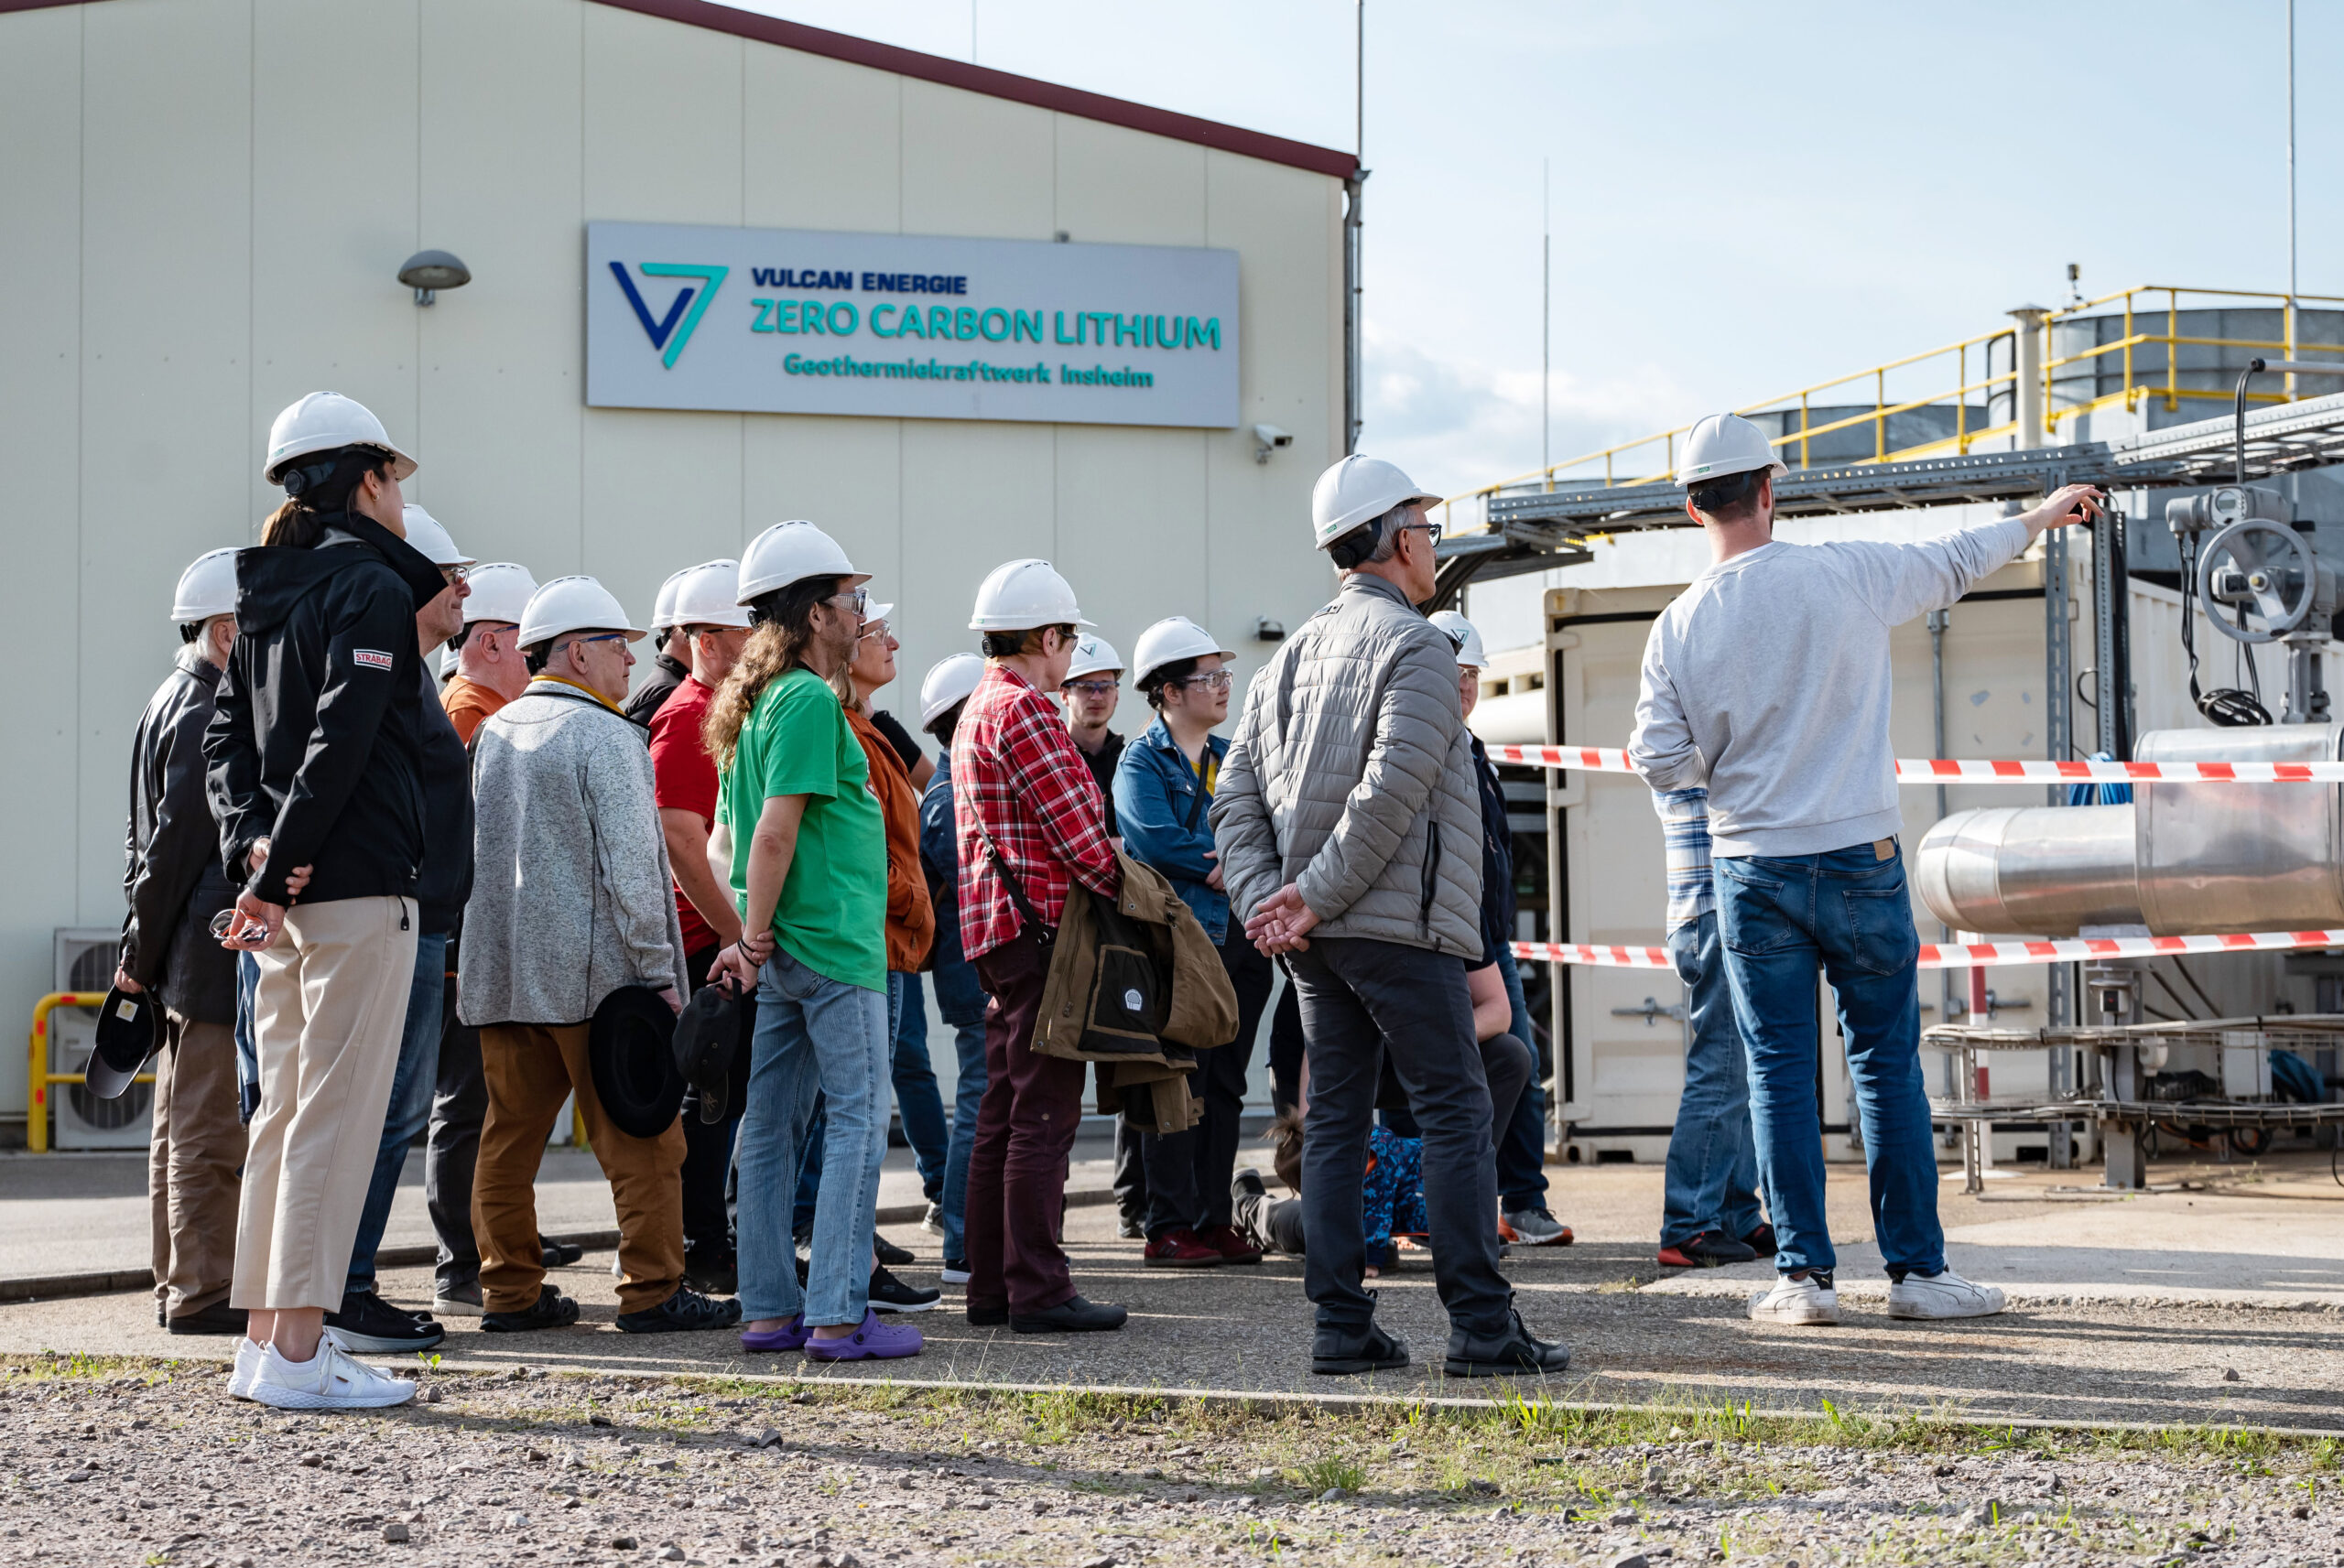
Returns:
<point x="1943" y="770"/>
<point x="1978" y="955"/>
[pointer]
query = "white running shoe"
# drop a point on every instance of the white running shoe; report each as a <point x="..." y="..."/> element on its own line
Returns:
<point x="1942" y="1295"/>
<point x="955" y="1276"/>
<point x="331" y="1380"/>
<point x="240" y="1380"/>
<point x="1800" y="1302"/>
<point x="933" y="1220"/>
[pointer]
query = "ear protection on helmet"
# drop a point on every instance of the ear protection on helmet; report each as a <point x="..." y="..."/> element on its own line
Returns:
<point x="1358" y="545"/>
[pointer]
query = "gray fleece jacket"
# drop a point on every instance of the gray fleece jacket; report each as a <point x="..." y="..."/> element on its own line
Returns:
<point x="570" y="891"/>
<point x="1351" y="776"/>
<point x="1768" y="681"/>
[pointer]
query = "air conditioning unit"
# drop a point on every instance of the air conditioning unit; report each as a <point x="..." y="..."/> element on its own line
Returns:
<point x="85" y="962"/>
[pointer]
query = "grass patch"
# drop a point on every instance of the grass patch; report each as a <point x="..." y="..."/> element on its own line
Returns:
<point x="1330" y="1472"/>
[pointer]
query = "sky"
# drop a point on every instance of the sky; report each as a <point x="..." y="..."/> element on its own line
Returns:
<point x="1744" y="200"/>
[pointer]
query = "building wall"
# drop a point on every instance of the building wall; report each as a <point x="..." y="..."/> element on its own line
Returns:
<point x="207" y="201"/>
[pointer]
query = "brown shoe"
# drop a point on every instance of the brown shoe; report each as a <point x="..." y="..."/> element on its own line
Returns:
<point x="1230" y="1243"/>
<point x="1180" y="1249"/>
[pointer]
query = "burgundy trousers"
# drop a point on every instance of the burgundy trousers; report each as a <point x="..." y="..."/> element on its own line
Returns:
<point x="1025" y="1128"/>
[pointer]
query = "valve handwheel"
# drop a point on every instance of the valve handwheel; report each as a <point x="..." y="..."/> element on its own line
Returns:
<point x="2252" y="565"/>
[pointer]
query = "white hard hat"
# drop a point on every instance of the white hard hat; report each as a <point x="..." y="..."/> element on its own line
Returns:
<point x="1170" y="640"/>
<point x="1359" y="490"/>
<point x="874" y="614"/>
<point x="947" y="681"/>
<point x="1018" y="596"/>
<point x="1091" y="655"/>
<point x="663" y="607"/>
<point x="704" y="595"/>
<point x="792" y="552"/>
<point x="572" y="605"/>
<point x="326" y="421"/>
<point x="1464" y="634"/>
<point x="500" y="591"/>
<point x="208" y="587"/>
<point x="1723" y="443"/>
<point x="423" y="532"/>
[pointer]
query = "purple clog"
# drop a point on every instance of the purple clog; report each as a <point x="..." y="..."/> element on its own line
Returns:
<point x="790" y="1335"/>
<point x="874" y="1341"/>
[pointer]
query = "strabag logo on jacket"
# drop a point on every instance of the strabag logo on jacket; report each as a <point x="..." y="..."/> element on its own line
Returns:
<point x="373" y="658"/>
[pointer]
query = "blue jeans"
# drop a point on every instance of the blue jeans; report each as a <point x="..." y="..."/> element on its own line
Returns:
<point x="1521" y="1145"/>
<point x="1849" y="911"/>
<point x="412" y="1083"/>
<point x="967" y="1093"/>
<point x="812" y="1032"/>
<point x="1712" y="1180"/>
<point x="918" y="1102"/>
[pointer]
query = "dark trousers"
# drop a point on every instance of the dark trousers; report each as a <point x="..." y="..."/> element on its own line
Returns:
<point x="1362" y="999"/>
<point x="1188" y="1172"/>
<point x="1025" y="1128"/>
<point x="1274" y="1224"/>
<point x="452" y="1144"/>
<point x="1130" y="1174"/>
<point x="1285" y="1049"/>
<point x="707" y="1147"/>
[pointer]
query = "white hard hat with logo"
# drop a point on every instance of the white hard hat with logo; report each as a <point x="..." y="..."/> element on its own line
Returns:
<point x="1091" y="655"/>
<point x="947" y="681"/>
<point x="500" y="591"/>
<point x="792" y="552"/>
<point x="1463" y="634"/>
<point x="1018" y="596"/>
<point x="1170" y="640"/>
<point x="572" y="605"/>
<point x="208" y="587"/>
<point x="425" y="533"/>
<point x="1359" y="490"/>
<point x="1723" y="443"/>
<point x="705" y="595"/>
<point x="326" y="421"/>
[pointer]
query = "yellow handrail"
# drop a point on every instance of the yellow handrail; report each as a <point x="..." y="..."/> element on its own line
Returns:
<point x="40" y="1077"/>
<point x="2133" y="385"/>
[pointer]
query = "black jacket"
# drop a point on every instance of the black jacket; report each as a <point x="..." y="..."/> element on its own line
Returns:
<point x="317" y="743"/>
<point x="447" y="879"/>
<point x="666" y="674"/>
<point x="171" y="872"/>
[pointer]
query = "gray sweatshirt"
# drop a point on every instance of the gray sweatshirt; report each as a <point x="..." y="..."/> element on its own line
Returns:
<point x="1767" y="681"/>
<point x="570" y="891"/>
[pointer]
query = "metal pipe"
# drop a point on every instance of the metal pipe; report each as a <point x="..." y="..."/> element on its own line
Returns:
<point x="2027" y="361"/>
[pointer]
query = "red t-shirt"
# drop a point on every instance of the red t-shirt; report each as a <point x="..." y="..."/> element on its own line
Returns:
<point x="683" y="778"/>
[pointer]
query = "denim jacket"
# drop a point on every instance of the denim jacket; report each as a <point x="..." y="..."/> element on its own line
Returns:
<point x="1154" y="787"/>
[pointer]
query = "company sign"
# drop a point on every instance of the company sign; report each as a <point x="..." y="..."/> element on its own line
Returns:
<point x="809" y="322"/>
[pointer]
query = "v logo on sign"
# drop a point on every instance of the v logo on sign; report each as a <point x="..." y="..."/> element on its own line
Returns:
<point x="665" y="333"/>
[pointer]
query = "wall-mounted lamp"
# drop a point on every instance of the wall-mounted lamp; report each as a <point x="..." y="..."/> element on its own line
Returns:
<point x="1268" y="631"/>
<point x="428" y="271"/>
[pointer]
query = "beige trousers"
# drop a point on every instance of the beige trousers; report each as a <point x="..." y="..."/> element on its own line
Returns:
<point x="191" y="1165"/>
<point x="326" y="1017"/>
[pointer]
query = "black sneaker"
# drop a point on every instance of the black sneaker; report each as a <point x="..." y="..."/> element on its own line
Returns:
<point x="457" y="1298"/>
<point x="713" y="1273"/>
<point x="995" y="1316"/>
<point x="889" y="1293"/>
<point x="1073" y="1315"/>
<point x="1709" y="1250"/>
<point x="893" y="1256"/>
<point x="217" y="1318"/>
<point x="559" y="1254"/>
<point x="1761" y="1240"/>
<point x="683" y="1313"/>
<point x="1343" y="1353"/>
<point x="1515" y="1353"/>
<point x="553" y="1310"/>
<point x="371" y="1326"/>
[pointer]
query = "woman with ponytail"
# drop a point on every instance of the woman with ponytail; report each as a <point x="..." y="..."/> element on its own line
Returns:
<point x="802" y="841"/>
<point x="314" y="757"/>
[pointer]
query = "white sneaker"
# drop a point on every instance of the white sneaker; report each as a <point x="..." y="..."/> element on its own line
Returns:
<point x="1533" y="1227"/>
<point x="952" y="1276"/>
<point x="1801" y="1301"/>
<point x="240" y="1380"/>
<point x="1942" y="1295"/>
<point x="933" y="1220"/>
<point x="331" y="1381"/>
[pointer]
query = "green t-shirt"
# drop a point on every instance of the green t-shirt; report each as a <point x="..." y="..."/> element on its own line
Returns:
<point x="832" y="914"/>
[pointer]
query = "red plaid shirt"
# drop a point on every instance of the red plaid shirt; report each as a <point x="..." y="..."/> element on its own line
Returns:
<point x="1016" y="771"/>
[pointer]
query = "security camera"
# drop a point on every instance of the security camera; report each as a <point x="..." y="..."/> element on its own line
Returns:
<point x="1266" y="438"/>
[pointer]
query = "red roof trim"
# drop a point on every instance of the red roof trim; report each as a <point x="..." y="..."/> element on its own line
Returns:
<point x="994" y="83"/>
<point x="955" y="74"/>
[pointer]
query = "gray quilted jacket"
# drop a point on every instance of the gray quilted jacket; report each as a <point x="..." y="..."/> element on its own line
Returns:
<point x="1351" y="776"/>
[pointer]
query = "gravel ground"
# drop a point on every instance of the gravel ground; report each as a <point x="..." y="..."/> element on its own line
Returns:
<point x="110" y="1462"/>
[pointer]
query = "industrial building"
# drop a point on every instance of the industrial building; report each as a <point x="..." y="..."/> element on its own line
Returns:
<point x="722" y="270"/>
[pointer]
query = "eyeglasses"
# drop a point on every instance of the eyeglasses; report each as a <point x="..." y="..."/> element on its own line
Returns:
<point x="1211" y="680"/>
<point x="1432" y="531"/>
<point x="856" y="599"/>
<point x="601" y="637"/>
<point x="1092" y="687"/>
<point x="451" y="576"/>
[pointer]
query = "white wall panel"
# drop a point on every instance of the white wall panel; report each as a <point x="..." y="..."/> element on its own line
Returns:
<point x="1131" y="510"/>
<point x="823" y="145"/>
<point x="974" y="495"/>
<point x="976" y="165"/>
<point x="1124" y="187"/>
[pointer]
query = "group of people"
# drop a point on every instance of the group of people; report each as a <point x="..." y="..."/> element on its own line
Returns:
<point x="376" y="904"/>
